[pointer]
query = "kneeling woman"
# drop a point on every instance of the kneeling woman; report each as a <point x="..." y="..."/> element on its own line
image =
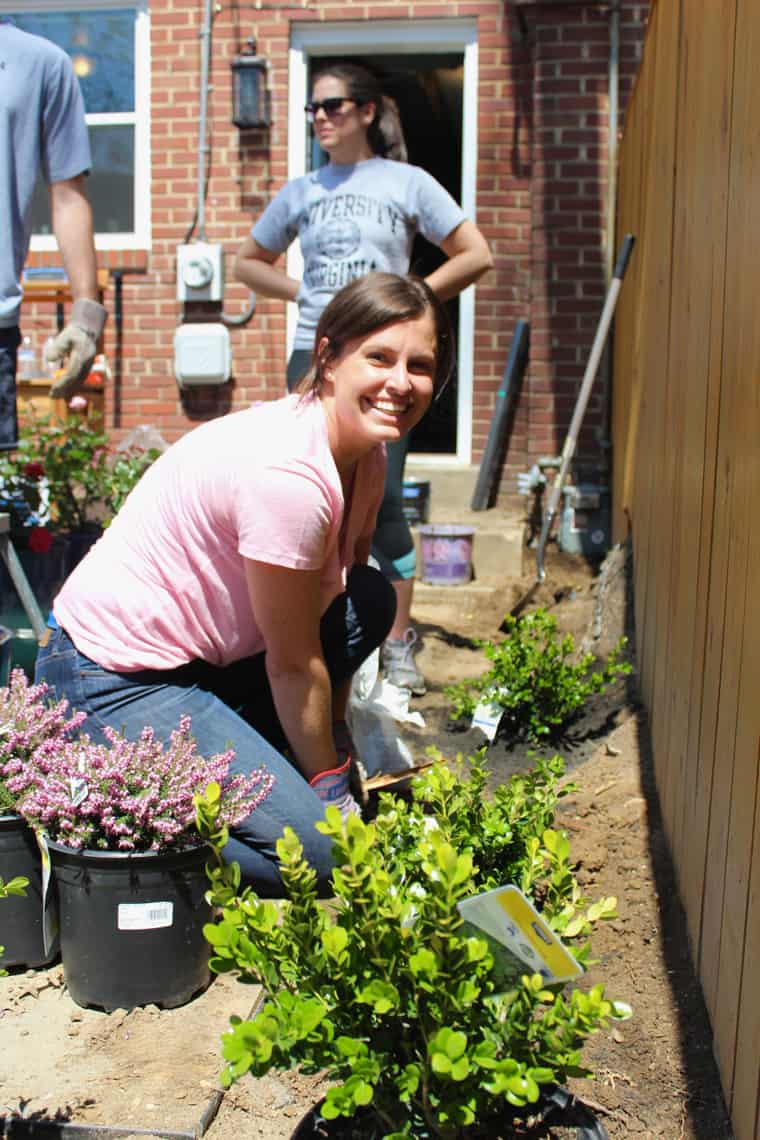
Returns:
<point x="232" y="586"/>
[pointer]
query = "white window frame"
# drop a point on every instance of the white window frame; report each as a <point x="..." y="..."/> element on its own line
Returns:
<point x="400" y="37"/>
<point x="140" y="237"/>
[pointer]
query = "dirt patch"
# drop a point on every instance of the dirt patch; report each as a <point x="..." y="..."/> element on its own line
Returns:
<point x="656" y="1079"/>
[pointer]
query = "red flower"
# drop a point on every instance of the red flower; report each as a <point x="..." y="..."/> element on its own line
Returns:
<point x="34" y="470"/>
<point x="40" y="540"/>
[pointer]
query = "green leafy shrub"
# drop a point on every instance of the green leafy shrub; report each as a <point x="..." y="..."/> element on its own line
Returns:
<point x="15" y="886"/>
<point x="383" y="988"/>
<point x="534" y="678"/>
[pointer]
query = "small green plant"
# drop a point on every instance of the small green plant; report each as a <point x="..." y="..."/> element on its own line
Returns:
<point x="384" y="989"/>
<point x="15" y="886"/>
<point x="534" y="678"/>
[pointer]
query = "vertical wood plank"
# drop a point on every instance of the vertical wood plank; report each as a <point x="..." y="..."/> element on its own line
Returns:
<point x="732" y="814"/>
<point x="702" y="166"/>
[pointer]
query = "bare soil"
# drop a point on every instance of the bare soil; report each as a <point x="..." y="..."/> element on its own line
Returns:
<point x="155" y="1071"/>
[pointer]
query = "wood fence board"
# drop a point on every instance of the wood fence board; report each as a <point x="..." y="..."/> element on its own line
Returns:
<point x="652" y="447"/>
<point x="740" y="672"/>
<point x="654" y="298"/>
<point x="696" y="340"/>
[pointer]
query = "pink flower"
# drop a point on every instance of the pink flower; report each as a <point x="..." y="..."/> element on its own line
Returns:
<point x="77" y="403"/>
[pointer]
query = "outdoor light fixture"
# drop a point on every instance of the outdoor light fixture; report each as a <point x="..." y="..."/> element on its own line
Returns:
<point x="250" y="97"/>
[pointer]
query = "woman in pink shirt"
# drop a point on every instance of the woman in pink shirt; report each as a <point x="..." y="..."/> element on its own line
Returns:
<point x="233" y="585"/>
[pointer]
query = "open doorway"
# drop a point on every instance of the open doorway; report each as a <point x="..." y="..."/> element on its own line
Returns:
<point x="428" y="90"/>
<point x="430" y="67"/>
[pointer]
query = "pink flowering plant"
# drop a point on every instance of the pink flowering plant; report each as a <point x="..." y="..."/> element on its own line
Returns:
<point x="29" y="724"/>
<point x="132" y="796"/>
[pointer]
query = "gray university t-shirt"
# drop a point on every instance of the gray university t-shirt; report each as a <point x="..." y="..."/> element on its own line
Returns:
<point x="351" y="220"/>
<point x="42" y="127"/>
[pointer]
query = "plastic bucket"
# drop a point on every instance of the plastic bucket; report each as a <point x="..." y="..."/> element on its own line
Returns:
<point x="416" y="501"/>
<point x="446" y="554"/>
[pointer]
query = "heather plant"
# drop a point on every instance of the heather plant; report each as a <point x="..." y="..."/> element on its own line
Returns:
<point x="386" y="990"/>
<point x="28" y="723"/>
<point x="535" y="678"/>
<point x="131" y="795"/>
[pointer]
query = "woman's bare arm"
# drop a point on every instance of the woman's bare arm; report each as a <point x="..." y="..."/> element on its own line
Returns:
<point x="287" y="607"/>
<point x="468" y="259"/>
<point x="255" y="267"/>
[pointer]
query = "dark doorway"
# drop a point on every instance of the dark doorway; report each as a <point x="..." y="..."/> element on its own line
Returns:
<point x="428" y="92"/>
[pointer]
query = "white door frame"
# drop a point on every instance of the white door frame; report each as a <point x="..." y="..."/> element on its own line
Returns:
<point x="398" y="37"/>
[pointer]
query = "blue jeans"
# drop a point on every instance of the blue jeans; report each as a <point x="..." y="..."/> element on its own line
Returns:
<point x="9" y="342"/>
<point x="232" y="707"/>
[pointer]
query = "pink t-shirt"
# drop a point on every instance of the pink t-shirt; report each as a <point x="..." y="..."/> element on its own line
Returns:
<point x="166" y="582"/>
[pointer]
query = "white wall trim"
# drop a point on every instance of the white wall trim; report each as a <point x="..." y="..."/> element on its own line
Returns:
<point x="401" y="37"/>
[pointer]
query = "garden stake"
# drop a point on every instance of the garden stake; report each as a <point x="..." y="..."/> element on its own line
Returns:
<point x="578" y="413"/>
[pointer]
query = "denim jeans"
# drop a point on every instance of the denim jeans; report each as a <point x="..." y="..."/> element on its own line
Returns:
<point x="9" y="342"/>
<point x="232" y="707"/>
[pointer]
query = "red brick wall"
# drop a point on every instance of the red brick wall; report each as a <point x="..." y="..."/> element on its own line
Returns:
<point x="541" y="178"/>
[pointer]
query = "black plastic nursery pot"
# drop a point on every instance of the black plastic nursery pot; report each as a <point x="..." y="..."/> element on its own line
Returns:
<point x="21" y="919"/>
<point x="132" y="926"/>
<point x="556" y="1107"/>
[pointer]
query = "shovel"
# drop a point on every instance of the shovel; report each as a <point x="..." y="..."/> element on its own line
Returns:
<point x="579" y="411"/>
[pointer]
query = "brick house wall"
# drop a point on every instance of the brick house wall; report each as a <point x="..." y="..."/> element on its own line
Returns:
<point x="541" y="179"/>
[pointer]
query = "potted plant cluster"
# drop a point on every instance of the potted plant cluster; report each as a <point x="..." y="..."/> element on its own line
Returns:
<point x="118" y="822"/>
<point x="386" y="989"/>
<point x="28" y="723"/>
<point x="61" y="486"/>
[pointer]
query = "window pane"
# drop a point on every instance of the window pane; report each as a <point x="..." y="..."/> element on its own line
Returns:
<point x="101" y="44"/>
<point x="110" y="186"/>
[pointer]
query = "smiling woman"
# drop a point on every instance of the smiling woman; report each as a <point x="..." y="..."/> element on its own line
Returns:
<point x="232" y="586"/>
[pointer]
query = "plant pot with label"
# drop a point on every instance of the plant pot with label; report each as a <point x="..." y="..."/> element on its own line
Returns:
<point x="118" y="820"/>
<point x="132" y="925"/>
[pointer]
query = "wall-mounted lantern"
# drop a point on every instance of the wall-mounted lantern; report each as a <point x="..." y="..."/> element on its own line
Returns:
<point x="250" y="97"/>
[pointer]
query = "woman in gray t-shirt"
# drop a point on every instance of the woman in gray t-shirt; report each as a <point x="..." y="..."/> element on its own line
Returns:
<point x="357" y="214"/>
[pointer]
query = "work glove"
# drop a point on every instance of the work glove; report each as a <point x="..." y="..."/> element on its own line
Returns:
<point x="78" y="343"/>
<point x="333" y="789"/>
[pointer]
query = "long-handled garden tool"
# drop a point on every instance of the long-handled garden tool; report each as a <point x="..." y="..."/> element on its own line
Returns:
<point x="571" y="439"/>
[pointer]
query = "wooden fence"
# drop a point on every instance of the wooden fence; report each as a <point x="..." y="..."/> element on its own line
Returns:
<point x="686" y="429"/>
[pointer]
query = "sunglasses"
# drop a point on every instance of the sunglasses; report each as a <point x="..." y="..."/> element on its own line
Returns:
<point x="331" y="107"/>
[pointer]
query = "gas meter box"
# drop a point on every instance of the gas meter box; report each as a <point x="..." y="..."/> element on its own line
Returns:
<point x="202" y="354"/>
<point x="585" y="524"/>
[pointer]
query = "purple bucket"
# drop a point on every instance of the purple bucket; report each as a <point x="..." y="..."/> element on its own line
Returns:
<point x="446" y="554"/>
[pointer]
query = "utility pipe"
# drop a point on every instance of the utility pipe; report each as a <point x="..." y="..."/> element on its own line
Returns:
<point x="203" y="148"/>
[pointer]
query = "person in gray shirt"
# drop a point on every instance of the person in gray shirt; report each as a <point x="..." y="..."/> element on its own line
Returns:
<point x="43" y="130"/>
<point x="357" y="214"/>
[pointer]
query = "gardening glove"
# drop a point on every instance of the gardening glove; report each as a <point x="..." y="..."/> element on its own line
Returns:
<point x="332" y="787"/>
<point x="78" y="342"/>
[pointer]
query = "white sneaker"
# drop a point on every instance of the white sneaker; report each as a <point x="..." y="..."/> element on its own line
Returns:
<point x="397" y="659"/>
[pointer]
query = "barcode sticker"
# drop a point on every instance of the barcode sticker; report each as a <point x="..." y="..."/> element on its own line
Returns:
<point x="145" y="916"/>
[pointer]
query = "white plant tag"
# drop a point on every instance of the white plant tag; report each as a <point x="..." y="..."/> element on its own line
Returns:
<point x="487" y="717"/>
<point x="78" y="790"/>
<point x="49" y="911"/>
<point x="145" y="916"/>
